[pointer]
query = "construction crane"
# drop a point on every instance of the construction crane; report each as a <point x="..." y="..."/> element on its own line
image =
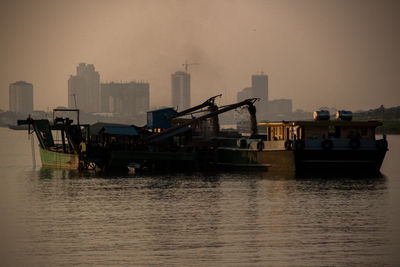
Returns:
<point x="186" y="65"/>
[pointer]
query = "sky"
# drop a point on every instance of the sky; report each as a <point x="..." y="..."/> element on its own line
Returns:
<point x="341" y="53"/>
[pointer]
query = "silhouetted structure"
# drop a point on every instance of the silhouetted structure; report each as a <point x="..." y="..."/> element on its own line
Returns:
<point x="180" y="85"/>
<point x="21" y="97"/>
<point x="259" y="85"/>
<point x="84" y="89"/>
<point x="131" y="99"/>
<point x="259" y="89"/>
<point x="279" y="109"/>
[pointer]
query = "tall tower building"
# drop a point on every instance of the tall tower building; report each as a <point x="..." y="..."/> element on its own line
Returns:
<point x="180" y="84"/>
<point x="259" y="86"/>
<point x="84" y="89"/>
<point x="21" y="97"/>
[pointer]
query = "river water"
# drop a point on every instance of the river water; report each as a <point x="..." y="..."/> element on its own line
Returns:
<point x="51" y="217"/>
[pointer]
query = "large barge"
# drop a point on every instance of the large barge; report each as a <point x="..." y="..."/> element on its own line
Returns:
<point x="339" y="145"/>
<point x="192" y="139"/>
<point x="173" y="140"/>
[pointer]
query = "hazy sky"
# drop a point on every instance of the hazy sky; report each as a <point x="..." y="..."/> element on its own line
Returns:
<point x="319" y="53"/>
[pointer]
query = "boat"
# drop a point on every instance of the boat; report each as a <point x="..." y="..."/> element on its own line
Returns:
<point x="192" y="140"/>
<point x="59" y="142"/>
<point x="339" y="145"/>
<point x="187" y="140"/>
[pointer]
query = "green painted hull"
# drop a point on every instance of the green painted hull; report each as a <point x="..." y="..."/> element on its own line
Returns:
<point x="58" y="160"/>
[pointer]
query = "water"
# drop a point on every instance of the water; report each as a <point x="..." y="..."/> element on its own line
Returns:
<point x="52" y="217"/>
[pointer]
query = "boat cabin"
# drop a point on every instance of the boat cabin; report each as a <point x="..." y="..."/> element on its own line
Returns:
<point x="276" y="131"/>
<point x="336" y="129"/>
<point x="326" y="129"/>
<point x="118" y="135"/>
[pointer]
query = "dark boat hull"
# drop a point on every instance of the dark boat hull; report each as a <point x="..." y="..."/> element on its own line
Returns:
<point x="339" y="160"/>
<point x="221" y="158"/>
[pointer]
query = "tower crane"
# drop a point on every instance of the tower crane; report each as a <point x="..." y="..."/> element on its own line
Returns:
<point x="186" y="65"/>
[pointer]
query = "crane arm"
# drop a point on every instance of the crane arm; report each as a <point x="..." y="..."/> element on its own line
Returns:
<point x="208" y="103"/>
<point x="249" y="102"/>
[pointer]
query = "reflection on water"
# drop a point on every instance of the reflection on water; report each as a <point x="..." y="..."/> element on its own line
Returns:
<point x="64" y="217"/>
<point x="180" y="219"/>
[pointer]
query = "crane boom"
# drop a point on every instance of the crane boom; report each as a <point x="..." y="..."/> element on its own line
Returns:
<point x="249" y="102"/>
<point x="209" y="102"/>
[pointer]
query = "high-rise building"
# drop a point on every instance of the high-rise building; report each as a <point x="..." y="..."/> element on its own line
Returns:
<point x="111" y="97"/>
<point x="131" y="99"/>
<point x="279" y="109"/>
<point x="180" y="85"/>
<point x="84" y="89"/>
<point x="21" y="97"/>
<point x="258" y="89"/>
<point x="259" y="85"/>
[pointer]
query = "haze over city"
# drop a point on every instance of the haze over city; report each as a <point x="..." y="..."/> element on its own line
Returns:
<point x="319" y="53"/>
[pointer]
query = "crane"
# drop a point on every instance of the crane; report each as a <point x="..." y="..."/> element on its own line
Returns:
<point x="250" y="105"/>
<point x="208" y="103"/>
<point x="186" y="65"/>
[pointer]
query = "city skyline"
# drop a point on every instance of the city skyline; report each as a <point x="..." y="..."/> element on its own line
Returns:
<point x="317" y="53"/>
